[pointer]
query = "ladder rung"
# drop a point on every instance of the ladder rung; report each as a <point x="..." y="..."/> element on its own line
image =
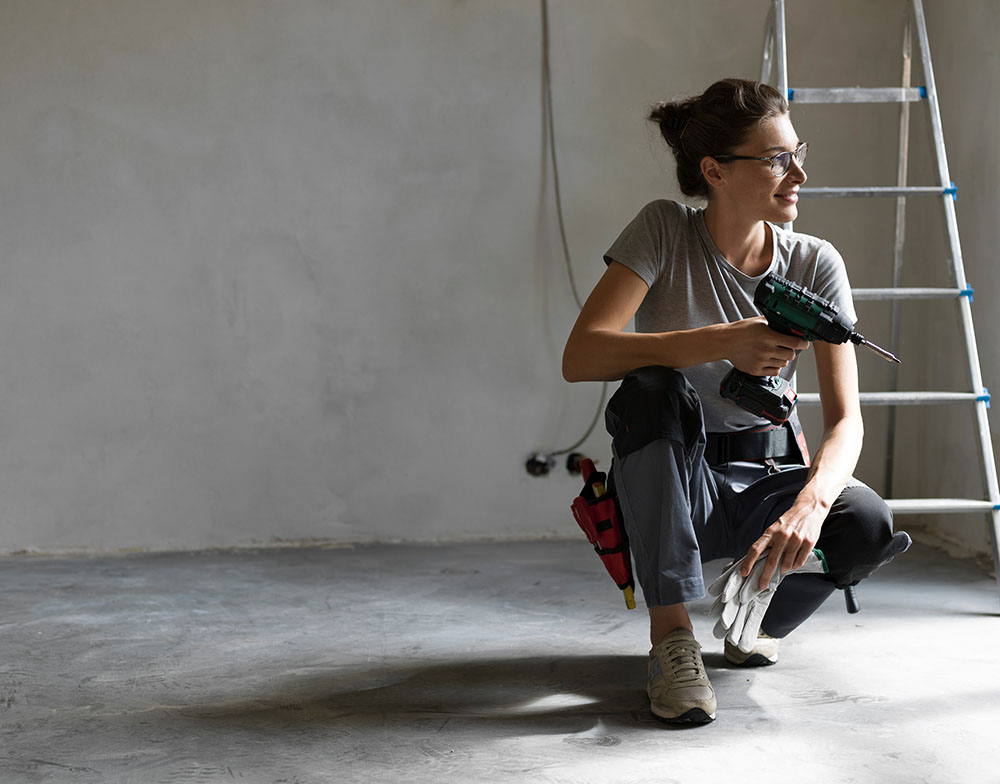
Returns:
<point x="913" y="190"/>
<point x="894" y="294"/>
<point x="902" y="398"/>
<point x="937" y="505"/>
<point x="856" y="94"/>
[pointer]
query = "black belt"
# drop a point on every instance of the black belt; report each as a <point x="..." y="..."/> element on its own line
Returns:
<point x="773" y="442"/>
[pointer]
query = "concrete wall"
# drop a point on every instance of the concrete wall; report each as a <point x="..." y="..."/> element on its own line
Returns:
<point x="291" y="270"/>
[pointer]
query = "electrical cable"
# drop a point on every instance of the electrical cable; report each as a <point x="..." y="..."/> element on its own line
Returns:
<point x="551" y="133"/>
<point x="549" y="130"/>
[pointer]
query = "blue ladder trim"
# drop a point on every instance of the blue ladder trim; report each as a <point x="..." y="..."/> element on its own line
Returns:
<point x="984" y="398"/>
<point x="791" y="94"/>
<point x="953" y="190"/>
<point x="923" y="91"/>
<point x="996" y="507"/>
<point x="968" y="291"/>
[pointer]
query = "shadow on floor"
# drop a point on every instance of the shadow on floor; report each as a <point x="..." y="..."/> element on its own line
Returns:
<point x="539" y="695"/>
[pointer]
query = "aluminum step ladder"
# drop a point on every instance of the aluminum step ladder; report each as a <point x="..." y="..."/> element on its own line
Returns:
<point x="774" y="70"/>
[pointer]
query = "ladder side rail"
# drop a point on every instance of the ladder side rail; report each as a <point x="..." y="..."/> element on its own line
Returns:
<point x="937" y="131"/>
<point x="897" y="266"/>
<point x="934" y="108"/>
<point x="782" y="62"/>
<point x="985" y="440"/>
<point x="767" y="58"/>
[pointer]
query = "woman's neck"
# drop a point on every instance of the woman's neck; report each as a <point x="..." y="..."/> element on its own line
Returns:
<point x="747" y="245"/>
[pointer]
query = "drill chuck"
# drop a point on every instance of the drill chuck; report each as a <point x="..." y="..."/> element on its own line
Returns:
<point x="888" y="356"/>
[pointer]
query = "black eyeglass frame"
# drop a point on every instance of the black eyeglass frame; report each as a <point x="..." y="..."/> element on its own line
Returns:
<point x="803" y="148"/>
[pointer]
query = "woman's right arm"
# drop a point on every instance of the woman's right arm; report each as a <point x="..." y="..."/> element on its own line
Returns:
<point x="598" y="348"/>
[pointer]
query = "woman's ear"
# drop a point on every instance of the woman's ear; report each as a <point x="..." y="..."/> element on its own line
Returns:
<point x="713" y="172"/>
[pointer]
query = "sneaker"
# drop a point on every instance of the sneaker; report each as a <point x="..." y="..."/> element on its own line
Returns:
<point x="764" y="653"/>
<point x="678" y="688"/>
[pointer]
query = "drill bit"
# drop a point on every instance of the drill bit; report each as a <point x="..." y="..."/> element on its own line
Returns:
<point x="860" y="340"/>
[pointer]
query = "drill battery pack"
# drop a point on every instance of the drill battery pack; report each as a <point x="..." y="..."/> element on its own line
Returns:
<point x="771" y="397"/>
<point x="595" y="510"/>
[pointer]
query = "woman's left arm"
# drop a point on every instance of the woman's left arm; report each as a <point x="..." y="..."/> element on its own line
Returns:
<point x="793" y="536"/>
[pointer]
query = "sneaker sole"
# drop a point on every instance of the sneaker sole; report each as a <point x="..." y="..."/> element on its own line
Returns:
<point x="754" y="660"/>
<point x="692" y="716"/>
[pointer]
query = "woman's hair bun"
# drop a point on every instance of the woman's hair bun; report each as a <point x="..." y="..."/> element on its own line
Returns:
<point x="672" y="117"/>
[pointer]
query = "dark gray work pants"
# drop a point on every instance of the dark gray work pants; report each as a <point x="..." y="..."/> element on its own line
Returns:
<point x="679" y="512"/>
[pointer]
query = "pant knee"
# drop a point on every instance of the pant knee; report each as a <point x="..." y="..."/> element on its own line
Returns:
<point x="867" y="515"/>
<point x="654" y="402"/>
<point x="858" y="537"/>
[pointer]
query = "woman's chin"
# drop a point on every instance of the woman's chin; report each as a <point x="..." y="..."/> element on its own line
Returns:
<point x="787" y="214"/>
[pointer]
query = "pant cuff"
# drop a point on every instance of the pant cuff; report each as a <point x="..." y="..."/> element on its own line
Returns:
<point x="676" y="592"/>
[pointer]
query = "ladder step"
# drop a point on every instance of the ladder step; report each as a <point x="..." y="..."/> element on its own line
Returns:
<point x="913" y="190"/>
<point x="896" y="294"/>
<point x="938" y="505"/>
<point x="904" y="398"/>
<point x="856" y="94"/>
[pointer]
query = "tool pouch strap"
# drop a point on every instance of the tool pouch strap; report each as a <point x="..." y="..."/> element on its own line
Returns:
<point x="767" y="443"/>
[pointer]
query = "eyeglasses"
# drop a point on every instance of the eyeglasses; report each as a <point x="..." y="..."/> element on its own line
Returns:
<point x="780" y="163"/>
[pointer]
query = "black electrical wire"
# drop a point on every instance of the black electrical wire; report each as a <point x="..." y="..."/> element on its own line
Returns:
<point x="549" y="130"/>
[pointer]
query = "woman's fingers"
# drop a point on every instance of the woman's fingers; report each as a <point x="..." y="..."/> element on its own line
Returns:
<point x="761" y="351"/>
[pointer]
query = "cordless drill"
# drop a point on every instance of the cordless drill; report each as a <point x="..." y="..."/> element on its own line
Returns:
<point x="790" y="309"/>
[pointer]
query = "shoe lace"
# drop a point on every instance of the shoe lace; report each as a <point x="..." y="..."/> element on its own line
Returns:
<point x="684" y="661"/>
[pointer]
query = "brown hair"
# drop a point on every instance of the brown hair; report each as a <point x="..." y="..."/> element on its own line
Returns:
<point x="713" y="123"/>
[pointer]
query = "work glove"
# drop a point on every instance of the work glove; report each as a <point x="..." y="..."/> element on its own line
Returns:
<point x="740" y="602"/>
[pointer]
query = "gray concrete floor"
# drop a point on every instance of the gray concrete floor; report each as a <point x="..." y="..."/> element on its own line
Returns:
<point x="512" y="662"/>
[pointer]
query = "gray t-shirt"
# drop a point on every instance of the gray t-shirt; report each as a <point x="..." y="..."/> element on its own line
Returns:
<point x="692" y="285"/>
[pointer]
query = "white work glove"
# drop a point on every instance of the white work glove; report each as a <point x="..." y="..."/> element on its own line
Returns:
<point x="740" y="602"/>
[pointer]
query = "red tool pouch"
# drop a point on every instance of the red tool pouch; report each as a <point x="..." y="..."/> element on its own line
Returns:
<point x="596" y="513"/>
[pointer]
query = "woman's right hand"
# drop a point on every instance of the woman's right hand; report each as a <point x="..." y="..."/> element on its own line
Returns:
<point x="753" y="347"/>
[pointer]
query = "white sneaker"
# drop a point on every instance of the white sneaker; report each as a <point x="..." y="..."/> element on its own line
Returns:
<point x="764" y="652"/>
<point x="678" y="688"/>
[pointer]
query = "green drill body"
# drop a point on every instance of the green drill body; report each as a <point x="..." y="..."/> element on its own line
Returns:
<point x="793" y="310"/>
<point x="790" y="309"/>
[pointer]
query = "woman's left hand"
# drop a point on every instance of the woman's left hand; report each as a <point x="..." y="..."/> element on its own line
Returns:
<point x="795" y="533"/>
<point x="791" y="538"/>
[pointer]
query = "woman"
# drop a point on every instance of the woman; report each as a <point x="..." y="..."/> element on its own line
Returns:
<point x="695" y="478"/>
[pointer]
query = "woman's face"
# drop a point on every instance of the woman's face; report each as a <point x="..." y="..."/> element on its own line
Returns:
<point x="754" y="190"/>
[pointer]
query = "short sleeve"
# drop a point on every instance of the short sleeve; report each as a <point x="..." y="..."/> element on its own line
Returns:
<point x="831" y="281"/>
<point x="644" y="245"/>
